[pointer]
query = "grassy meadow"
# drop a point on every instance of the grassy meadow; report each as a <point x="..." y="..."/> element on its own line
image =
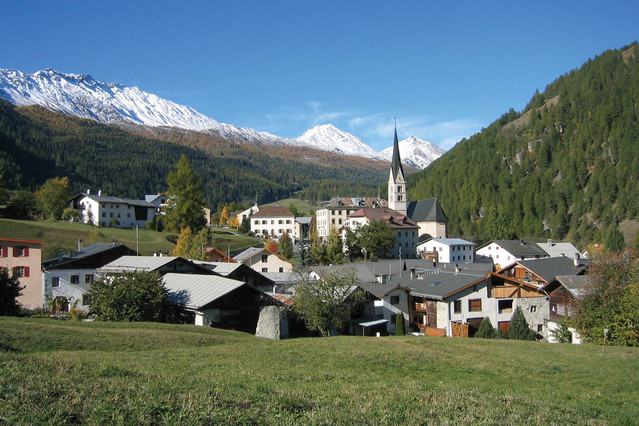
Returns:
<point x="69" y="372"/>
<point x="65" y="235"/>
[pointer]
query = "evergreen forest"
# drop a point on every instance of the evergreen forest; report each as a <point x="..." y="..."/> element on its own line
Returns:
<point x="37" y="144"/>
<point x="567" y="167"/>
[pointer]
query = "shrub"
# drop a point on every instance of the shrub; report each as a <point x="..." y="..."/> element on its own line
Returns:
<point x="9" y="291"/>
<point x="486" y="329"/>
<point x="77" y="314"/>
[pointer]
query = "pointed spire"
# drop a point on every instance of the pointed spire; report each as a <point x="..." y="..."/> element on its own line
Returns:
<point x="396" y="162"/>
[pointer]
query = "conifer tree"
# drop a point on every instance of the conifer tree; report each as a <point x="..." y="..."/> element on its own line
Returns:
<point x="486" y="329"/>
<point x="399" y="325"/>
<point x="186" y="198"/>
<point x="518" y="328"/>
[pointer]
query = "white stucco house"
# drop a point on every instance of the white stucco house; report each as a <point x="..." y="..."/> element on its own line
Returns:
<point x="116" y="212"/>
<point x="448" y="250"/>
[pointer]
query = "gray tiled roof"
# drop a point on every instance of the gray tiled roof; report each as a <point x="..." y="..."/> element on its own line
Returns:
<point x="87" y="251"/>
<point x="550" y="267"/>
<point x="520" y="248"/>
<point x="428" y="210"/>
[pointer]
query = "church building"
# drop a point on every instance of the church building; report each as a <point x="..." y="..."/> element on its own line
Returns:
<point x="428" y="213"/>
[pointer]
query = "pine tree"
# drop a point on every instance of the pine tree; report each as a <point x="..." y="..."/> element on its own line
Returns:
<point x="399" y="325"/>
<point x="486" y="329"/>
<point x="518" y="328"/>
<point x="186" y="198"/>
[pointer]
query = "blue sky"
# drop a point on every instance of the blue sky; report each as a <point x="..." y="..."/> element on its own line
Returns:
<point x="445" y="69"/>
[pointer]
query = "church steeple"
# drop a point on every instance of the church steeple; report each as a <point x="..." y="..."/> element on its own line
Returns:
<point x="396" y="183"/>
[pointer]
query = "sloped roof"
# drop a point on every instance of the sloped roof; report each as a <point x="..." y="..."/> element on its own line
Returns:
<point x="519" y="248"/>
<point x="452" y="241"/>
<point x="108" y="199"/>
<point x="436" y="281"/>
<point x="394" y="218"/>
<point x="196" y="291"/>
<point x="557" y="249"/>
<point x="249" y="253"/>
<point x="86" y="252"/>
<point x="354" y="202"/>
<point x="548" y="268"/>
<point x="137" y="264"/>
<point x="428" y="210"/>
<point x="575" y="284"/>
<point x="273" y="211"/>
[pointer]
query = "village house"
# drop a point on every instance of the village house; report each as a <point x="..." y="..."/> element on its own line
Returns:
<point x="240" y="272"/>
<point x="503" y="253"/>
<point x="332" y="214"/>
<point x="115" y="212"/>
<point x="564" y="291"/>
<point x="447" y="250"/>
<point x="22" y="258"/>
<point x="262" y="260"/>
<point x="212" y="300"/>
<point x="541" y="272"/>
<point x="560" y="249"/>
<point x="273" y="221"/>
<point x="406" y="230"/>
<point x="69" y="276"/>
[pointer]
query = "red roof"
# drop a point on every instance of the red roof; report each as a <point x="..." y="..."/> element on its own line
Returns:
<point x="273" y="211"/>
<point x="16" y="240"/>
<point x="394" y="218"/>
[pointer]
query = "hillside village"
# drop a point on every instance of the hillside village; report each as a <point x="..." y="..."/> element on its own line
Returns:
<point x="434" y="285"/>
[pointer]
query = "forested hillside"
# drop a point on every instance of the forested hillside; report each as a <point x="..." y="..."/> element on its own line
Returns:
<point x="566" y="167"/>
<point x="37" y="144"/>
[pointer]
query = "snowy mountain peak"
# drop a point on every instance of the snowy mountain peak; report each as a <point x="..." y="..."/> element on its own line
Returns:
<point x="82" y="96"/>
<point x="415" y="152"/>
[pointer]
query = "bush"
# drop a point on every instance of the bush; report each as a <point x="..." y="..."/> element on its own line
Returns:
<point x="77" y="314"/>
<point x="129" y="297"/>
<point x="486" y="329"/>
<point x="518" y="328"/>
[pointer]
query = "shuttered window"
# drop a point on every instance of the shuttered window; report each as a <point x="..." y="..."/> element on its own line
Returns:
<point x="474" y="305"/>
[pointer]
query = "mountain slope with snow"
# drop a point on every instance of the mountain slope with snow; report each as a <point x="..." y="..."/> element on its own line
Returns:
<point x="329" y="138"/>
<point x="415" y="152"/>
<point x="110" y="103"/>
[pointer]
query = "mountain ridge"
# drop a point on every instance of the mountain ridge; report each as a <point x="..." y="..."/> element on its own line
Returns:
<point x="112" y="103"/>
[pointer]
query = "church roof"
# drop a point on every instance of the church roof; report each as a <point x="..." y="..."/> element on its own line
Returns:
<point x="428" y="210"/>
<point x="396" y="162"/>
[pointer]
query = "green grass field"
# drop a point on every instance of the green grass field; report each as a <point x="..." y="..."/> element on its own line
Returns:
<point x="66" y="235"/>
<point x="68" y="372"/>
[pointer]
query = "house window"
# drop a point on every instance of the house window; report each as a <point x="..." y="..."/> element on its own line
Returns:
<point x="533" y="308"/>
<point x="21" y="251"/>
<point x="264" y="269"/>
<point x="103" y="214"/>
<point x="505" y="306"/>
<point x="55" y="281"/>
<point x="393" y="319"/>
<point x="540" y="328"/>
<point x="75" y="279"/>
<point x="281" y="269"/>
<point x="394" y="300"/>
<point x="4" y="251"/>
<point x="88" y="278"/>
<point x="457" y="306"/>
<point x="86" y="299"/>
<point x="21" y="271"/>
<point x="474" y="305"/>
<point x="264" y="258"/>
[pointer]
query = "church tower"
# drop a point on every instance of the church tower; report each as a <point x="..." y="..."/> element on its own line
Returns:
<point x="396" y="183"/>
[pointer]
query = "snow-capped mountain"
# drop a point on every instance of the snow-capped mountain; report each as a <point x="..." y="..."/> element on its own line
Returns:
<point x="415" y="152"/>
<point x="327" y="137"/>
<point x="110" y="103"/>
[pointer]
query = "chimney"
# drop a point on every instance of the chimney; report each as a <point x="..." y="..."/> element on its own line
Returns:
<point x="412" y="273"/>
<point x="80" y="244"/>
<point x="549" y="242"/>
<point x="60" y="254"/>
<point x="99" y="192"/>
<point x="88" y="191"/>
<point x="576" y="260"/>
